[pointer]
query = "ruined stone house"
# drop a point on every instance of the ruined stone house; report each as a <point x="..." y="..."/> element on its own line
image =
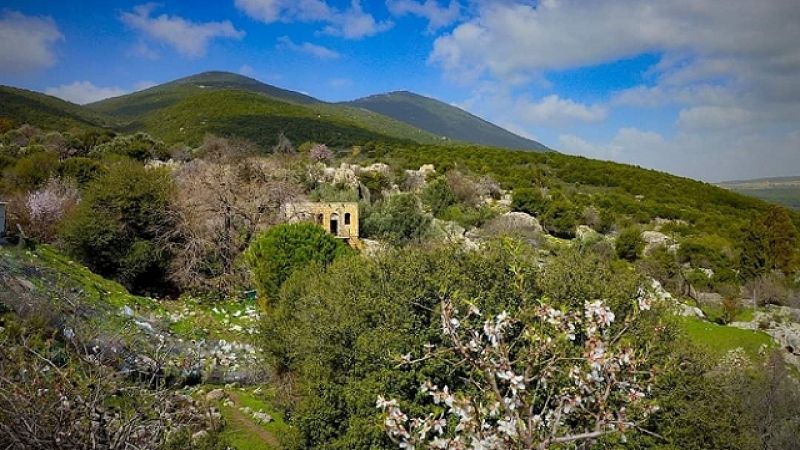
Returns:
<point x="337" y="218"/>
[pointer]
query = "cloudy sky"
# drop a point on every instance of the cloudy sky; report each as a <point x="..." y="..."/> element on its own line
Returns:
<point x="703" y="88"/>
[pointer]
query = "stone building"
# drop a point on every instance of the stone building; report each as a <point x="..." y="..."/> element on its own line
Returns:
<point x="338" y="218"/>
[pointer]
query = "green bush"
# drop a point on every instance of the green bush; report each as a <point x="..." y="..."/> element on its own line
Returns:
<point x="529" y="200"/>
<point x="33" y="170"/>
<point x="561" y="218"/>
<point x="398" y="219"/>
<point x="82" y="170"/>
<point x="468" y="216"/>
<point x="277" y="253"/>
<point x="119" y="226"/>
<point x="629" y="244"/>
<point x="139" y="146"/>
<point x="438" y="196"/>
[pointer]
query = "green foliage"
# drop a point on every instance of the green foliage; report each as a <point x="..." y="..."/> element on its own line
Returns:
<point x="82" y="170"/>
<point x="116" y="228"/>
<point x="398" y="219"/>
<point x="330" y="193"/>
<point x="438" y="196"/>
<point x="561" y="218"/>
<point x="629" y="244"/>
<point x="770" y="242"/>
<point x="139" y="146"/>
<point x="530" y="201"/>
<point x="32" y="171"/>
<point x="19" y="106"/>
<point x="468" y="216"/>
<point x="277" y="253"/>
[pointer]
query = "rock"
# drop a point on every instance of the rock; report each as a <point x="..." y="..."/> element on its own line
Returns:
<point x="518" y="220"/>
<point x="690" y="311"/>
<point x="655" y="239"/>
<point x="215" y="395"/>
<point x="202" y="434"/>
<point x="709" y="298"/>
<point x="585" y="233"/>
<point x="707" y="272"/>
<point x="372" y="247"/>
<point x="262" y="418"/>
<point x="127" y="311"/>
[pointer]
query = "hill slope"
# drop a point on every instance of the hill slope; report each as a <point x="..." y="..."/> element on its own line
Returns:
<point x="255" y="117"/>
<point x="49" y="113"/>
<point x="783" y="190"/>
<point x="140" y="109"/>
<point x="136" y="104"/>
<point x="444" y="120"/>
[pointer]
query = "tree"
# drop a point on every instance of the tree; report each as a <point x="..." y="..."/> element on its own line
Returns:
<point x="438" y="196"/>
<point x="280" y="251"/>
<point x="284" y="145"/>
<point x="560" y="218"/>
<point x="139" y="146"/>
<point x="48" y="205"/>
<point x="769" y="242"/>
<point x="557" y="378"/>
<point x="398" y="219"/>
<point x="117" y="228"/>
<point x="219" y="208"/>
<point x="529" y="200"/>
<point x="320" y="152"/>
<point x="629" y="244"/>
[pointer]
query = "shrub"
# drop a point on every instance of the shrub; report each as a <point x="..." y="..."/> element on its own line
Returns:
<point x="398" y="219"/>
<point x="561" y="218"/>
<point x="82" y="170"/>
<point x="438" y="196"/>
<point x="48" y="205"/>
<point x="629" y="244"/>
<point x="139" y="146"/>
<point x="33" y="170"/>
<point x="117" y="227"/>
<point x="529" y="200"/>
<point x="277" y="253"/>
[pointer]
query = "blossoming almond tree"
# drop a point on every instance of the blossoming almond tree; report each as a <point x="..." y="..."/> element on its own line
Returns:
<point x="556" y="377"/>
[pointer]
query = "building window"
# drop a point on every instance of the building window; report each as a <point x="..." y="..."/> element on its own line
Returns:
<point x="319" y="219"/>
<point x="347" y="218"/>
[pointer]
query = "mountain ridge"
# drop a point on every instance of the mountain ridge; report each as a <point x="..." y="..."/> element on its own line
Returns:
<point x="443" y="119"/>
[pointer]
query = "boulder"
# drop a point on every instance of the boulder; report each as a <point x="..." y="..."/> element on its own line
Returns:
<point x="202" y="434"/>
<point x="585" y="233"/>
<point x="655" y="239"/>
<point x="215" y="395"/>
<point x="518" y="220"/>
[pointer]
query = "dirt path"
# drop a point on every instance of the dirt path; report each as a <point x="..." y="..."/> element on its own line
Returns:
<point x="246" y="425"/>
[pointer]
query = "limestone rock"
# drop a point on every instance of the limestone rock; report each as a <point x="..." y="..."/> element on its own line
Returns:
<point x="655" y="239"/>
<point x="215" y="395"/>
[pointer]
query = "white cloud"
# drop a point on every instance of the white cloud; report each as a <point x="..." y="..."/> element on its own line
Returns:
<point x="711" y="155"/>
<point x="26" y="42"/>
<point x="82" y="92"/>
<point x="142" y="85"/>
<point x="555" y="110"/>
<point x="437" y="16"/>
<point x="315" y="50"/>
<point x="350" y="23"/>
<point x="188" y="38"/>
<point x="713" y="117"/>
<point x="247" y="71"/>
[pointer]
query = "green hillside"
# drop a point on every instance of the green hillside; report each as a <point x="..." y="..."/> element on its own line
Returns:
<point x="21" y="106"/>
<point x="782" y="190"/>
<point x="140" y="107"/>
<point x="443" y="120"/>
<point x="134" y="105"/>
<point x="257" y="118"/>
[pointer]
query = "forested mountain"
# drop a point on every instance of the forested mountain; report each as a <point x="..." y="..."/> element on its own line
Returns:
<point x="444" y="120"/>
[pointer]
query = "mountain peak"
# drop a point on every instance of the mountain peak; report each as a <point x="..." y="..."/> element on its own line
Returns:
<point x="443" y="119"/>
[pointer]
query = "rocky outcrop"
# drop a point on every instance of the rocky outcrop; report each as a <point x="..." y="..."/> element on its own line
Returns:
<point x="655" y="239"/>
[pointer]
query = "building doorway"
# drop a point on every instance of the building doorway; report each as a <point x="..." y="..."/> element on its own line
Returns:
<point x="335" y="224"/>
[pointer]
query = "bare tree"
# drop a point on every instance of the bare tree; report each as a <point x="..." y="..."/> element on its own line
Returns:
<point x="219" y="208"/>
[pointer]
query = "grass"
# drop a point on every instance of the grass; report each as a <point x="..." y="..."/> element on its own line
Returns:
<point x="718" y="340"/>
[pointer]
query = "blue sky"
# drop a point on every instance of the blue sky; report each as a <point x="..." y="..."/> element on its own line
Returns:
<point x="701" y="88"/>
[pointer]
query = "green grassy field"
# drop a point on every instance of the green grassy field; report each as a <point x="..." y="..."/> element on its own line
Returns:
<point x="718" y="340"/>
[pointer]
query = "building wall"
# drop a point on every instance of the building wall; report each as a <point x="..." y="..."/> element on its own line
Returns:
<point x="324" y="213"/>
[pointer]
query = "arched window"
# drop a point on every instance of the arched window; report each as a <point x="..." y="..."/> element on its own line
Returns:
<point x="347" y="218"/>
